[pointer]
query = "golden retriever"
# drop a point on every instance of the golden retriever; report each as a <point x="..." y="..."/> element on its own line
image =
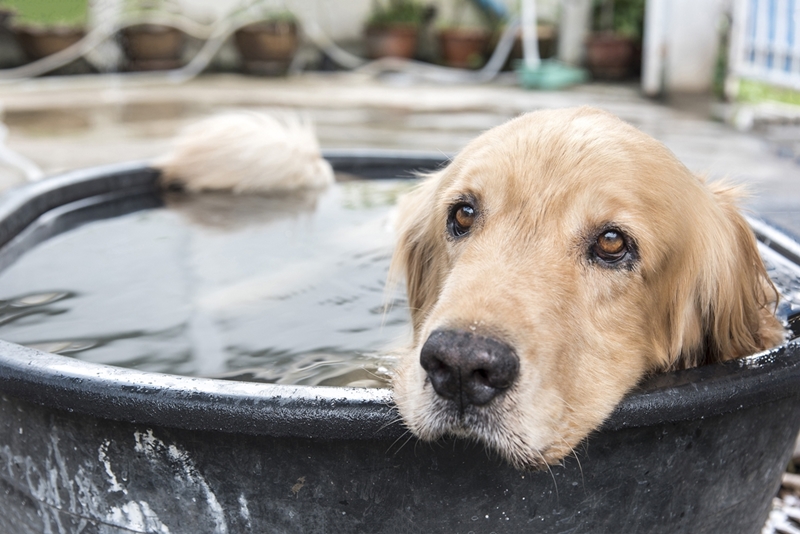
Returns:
<point x="555" y="262"/>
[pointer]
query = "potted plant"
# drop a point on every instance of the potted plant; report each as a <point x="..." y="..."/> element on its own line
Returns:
<point x="151" y="46"/>
<point x="43" y="28"/>
<point x="612" y="49"/>
<point x="464" y="42"/>
<point x="393" y="27"/>
<point x="11" y="54"/>
<point x="268" y="46"/>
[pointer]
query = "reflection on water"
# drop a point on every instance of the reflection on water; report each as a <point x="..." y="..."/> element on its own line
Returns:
<point x="281" y="290"/>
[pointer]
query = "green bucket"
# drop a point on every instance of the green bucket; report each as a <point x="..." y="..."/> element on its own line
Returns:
<point x="549" y="75"/>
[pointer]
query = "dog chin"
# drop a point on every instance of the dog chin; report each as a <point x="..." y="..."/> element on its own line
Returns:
<point x="485" y="425"/>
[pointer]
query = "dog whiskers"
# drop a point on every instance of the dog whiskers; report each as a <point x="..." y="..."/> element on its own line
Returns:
<point x="404" y="434"/>
<point x="575" y="455"/>
<point x="394" y="421"/>
<point x="552" y="475"/>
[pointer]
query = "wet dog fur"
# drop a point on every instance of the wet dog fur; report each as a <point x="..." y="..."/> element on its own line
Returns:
<point x="581" y="255"/>
<point x="246" y="152"/>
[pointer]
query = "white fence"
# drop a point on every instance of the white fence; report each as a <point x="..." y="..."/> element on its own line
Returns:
<point x="765" y="42"/>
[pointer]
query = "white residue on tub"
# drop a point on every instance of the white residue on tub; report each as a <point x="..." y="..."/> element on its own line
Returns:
<point x="185" y="471"/>
<point x="63" y="486"/>
<point x="145" y="442"/>
<point x="244" y="510"/>
<point x="136" y="516"/>
<point x="191" y="473"/>
<point x="102" y="455"/>
<point x="56" y="489"/>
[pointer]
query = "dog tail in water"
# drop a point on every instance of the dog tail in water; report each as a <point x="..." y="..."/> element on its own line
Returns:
<point x="246" y="152"/>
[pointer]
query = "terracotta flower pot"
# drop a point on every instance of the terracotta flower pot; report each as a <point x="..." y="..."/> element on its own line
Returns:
<point x="609" y="56"/>
<point x="152" y="47"/>
<point x="267" y="47"/>
<point x="391" y="41"/>
<point x="6" y="15"/>
<point x="463" y="48"/>
<point x="37" y="43"/>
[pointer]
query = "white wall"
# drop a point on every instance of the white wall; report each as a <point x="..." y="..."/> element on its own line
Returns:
<point x="681" y="43"/>
<point x="574" y="24"/>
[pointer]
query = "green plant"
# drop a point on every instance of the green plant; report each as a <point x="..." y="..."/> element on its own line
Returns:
<point x="754" y="91"/>
<point x="280" y="16"/>
<point x="623" y="17"/>
<point x="70" y="13"/>
<point x="721" y="63"/>
<point x="391" y="12"/>
<point x="140" y="7"/>
<point x="465" y="14"/>
<point x="267" y="10"/>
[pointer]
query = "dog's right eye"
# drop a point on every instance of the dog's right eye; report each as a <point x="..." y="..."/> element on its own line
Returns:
<point x="461" y="219"/>
<point x="612" y="248"/>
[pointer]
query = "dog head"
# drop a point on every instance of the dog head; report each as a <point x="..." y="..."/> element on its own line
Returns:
<point x="557" y="260"/>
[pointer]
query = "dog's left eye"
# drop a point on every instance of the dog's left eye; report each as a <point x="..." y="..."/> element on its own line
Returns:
<point x="611" y="246"/>
<point x="462" y="217"/>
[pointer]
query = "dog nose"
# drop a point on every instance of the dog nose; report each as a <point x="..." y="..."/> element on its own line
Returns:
<point x="468" y="368"/>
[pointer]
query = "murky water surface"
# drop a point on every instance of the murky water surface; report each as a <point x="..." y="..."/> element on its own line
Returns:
<point x="282" y="290"/>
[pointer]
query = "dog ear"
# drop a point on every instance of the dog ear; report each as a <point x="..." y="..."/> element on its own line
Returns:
<point x="735" y="296"/>
<point x="419" y="256"/>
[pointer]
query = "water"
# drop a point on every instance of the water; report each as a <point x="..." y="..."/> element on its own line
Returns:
<point x="287" y="290"/>
<point x="280" y="290"/>
<point x="786" y="276"/>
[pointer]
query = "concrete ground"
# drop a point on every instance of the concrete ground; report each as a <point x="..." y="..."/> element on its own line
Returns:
<point x="62" y="123"/>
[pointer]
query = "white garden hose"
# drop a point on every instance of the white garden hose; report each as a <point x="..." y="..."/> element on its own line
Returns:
<point x="434" y="73"/>
<point x="16" y="160"/>
<point x="216" y="35"/>
<point x="341" y="57"/>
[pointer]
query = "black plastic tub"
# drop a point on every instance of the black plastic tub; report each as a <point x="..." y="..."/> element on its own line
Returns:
<point x="88" y="448"/>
